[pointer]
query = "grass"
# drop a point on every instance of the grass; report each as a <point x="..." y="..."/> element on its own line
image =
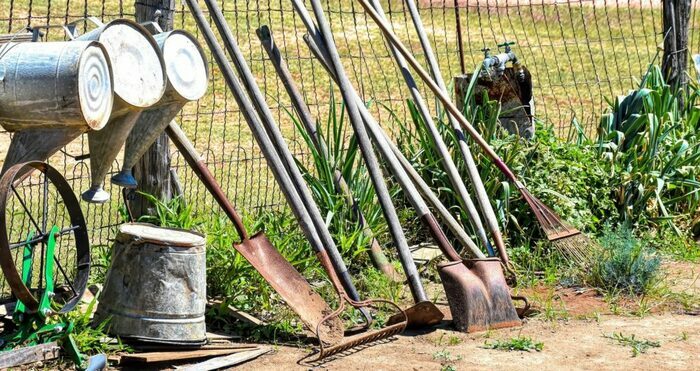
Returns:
<point x="520" y="343"/>
<point x="638" y="346"/>
<point x="555" y="54"/>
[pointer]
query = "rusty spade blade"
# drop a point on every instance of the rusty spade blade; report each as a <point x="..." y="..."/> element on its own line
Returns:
<point x="275" y="269"/>
<point x="291" y="286"/>
<point x="478" y="295"/>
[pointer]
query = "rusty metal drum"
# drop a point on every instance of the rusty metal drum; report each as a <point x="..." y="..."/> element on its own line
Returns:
<point x="55" y="84"/>
<point x="155" y="289"/>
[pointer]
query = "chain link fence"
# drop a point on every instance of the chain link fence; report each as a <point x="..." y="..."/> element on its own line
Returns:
<point x="579" y="52"/>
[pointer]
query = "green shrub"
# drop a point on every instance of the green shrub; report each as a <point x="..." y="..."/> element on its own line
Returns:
<point x="650" y="142"/>
<point x="625" y="264"/>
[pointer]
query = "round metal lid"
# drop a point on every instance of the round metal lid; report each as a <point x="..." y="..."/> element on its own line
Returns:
<point x="161" y="235"/>
<point x="95" y="89"/>
<point x="185" y="66"/>
<point x="139" y="78"/>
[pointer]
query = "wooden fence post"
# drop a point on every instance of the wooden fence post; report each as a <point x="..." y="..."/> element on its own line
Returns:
<point x="152" y="172"/>
<point x="676" y="16"/>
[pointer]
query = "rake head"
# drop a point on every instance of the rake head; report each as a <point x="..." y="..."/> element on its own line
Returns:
<point x="565" y="238"/>
<point x="363" y="338"/>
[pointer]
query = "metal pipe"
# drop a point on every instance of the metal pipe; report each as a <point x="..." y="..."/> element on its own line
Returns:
<point x="268" y="121"/>
<point x="379" y="260"/>
<point x="455" y="178"/>
<point x="410" y="190"/>
<point x="256" y="128"/>
<point x="472" y="171"/>
<point x="368" y="154"/>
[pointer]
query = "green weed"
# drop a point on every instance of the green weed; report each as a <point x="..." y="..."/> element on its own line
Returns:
<point x="638" y="345"/>
<point x="445" y="357"/>
<point x="524" y="344"/>
<point x="625" y="264"/>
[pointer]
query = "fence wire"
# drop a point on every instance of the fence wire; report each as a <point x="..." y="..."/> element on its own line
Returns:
<point x="579" y="53"/>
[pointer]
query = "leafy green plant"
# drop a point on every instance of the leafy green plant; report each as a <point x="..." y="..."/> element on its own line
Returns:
<point x="625" y="264"/>
<point x="90" y="338"/>
<point x="175" y="213"/>
<point x="519" y="343"/>
<point x="341" y="157"/>
<point x="638" y="345"/>
<point x="568" y="177"/>
<point x="650" y="141"/>
<point x="445" y="356"/>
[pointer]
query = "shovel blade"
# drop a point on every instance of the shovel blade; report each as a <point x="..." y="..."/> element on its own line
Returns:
<point x="503" y="313"/>
<point x="292" y="287"/>
<point x="423" y="314"/>
<point x="478" y="295"/>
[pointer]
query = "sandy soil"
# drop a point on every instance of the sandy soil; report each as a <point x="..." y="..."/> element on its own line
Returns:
<point x="580" y="341"/>
<point x="574" y="344"/>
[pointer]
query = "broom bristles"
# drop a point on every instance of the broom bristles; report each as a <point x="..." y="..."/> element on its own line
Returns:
<point x="568" y="240"/>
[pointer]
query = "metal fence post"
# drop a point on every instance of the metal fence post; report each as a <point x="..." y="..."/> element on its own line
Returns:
<point x="153" y="170"/>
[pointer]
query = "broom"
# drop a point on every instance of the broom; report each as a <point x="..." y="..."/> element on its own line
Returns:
<point x="564" y="237"/>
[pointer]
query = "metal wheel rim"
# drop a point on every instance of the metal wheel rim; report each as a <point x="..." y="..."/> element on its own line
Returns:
<point x="82" y="243"/>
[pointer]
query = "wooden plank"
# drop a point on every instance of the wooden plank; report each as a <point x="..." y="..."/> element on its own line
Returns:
<point x="239" y="314"/>
<point x="155" y="357"/>
<point x="23" y="356"/>
<point x="225" y="361"/>
<point x="22" y="37"/>
<point x="169" y="348"/>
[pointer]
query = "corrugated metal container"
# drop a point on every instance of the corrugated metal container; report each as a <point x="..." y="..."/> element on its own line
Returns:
<point x="55" y="84"/>
<point x="155" y="288"/>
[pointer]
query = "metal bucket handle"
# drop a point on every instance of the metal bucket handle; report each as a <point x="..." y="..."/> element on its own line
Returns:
<point x="71" y="29"/>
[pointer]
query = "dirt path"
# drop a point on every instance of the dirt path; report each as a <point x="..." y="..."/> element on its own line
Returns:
<point x="574" y="344"/>
<point x="582" y="341"/>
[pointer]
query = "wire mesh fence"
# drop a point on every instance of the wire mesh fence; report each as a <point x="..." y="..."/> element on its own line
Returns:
<point x="579" y="52"/>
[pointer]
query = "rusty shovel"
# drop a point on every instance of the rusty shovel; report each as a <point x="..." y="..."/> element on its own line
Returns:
<point x="257" y="249"/>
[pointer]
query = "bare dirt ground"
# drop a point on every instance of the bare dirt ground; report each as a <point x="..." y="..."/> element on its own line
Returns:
<point x="579" y="337"/>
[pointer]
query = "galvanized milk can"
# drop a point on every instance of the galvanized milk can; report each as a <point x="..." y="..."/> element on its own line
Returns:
<point x="155" y="288"/>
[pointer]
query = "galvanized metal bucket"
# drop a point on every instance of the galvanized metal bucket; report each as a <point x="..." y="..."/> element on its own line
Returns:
<point x="188" y="76"/>
<point x="50" y="93"/>
<point x="139" y="83"/>
<point x="155" y="289"/>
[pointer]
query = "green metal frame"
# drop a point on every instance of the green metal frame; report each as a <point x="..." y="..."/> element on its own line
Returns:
<point x="32" y="328"/>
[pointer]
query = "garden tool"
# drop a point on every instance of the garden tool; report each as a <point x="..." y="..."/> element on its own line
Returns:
<point x="257" y="249"/>
<point x="188" y="76"/>
<point x="566" y="238"/>
<point x="476" y="295"/>
<point x="139" y="82"/>
<point x="52" y="93"/>
<point x="449" y="166"/>
<point x="280" y="146"/>
<point x="482" y="197"/>
<point x="379" y="260"/>
<point x="298" y="207"/>
<point x="424" y="313"/>
<point x="424" y="188"/>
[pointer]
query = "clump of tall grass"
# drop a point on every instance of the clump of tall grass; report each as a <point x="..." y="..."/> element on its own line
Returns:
<point x="343" y="156"/>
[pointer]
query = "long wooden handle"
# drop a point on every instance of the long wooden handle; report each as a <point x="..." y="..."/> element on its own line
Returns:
<point x="195" y="161"/>
<point x="438" y="92"/>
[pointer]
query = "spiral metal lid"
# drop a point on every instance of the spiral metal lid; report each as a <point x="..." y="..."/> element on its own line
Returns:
<point x="139" y="76"/>
<point x="95" y="89"/>
<point x="185" y="65"/>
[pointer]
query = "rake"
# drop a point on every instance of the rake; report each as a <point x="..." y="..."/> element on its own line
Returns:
<point x="564" y="237"/>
